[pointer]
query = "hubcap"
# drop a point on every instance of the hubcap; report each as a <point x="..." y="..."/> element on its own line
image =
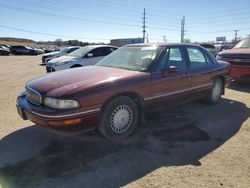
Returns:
<point x="121" y="118"/>
<point x="216" y="91"/>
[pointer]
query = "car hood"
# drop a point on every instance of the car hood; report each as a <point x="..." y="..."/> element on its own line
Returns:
<point x="62" y="59"/>
<point x="52" y="53"/>
<point x="236" y="51"/>
<point x="4" y="49"/>
<point x="71" y="81"/>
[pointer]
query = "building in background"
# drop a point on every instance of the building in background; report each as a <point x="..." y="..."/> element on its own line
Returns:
<point x="122" y="42"/>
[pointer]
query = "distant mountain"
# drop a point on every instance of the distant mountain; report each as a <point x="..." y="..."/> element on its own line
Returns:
<point x="12" y="39"/>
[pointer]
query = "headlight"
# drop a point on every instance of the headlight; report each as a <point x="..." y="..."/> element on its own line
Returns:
<point x="61" y="63"/>
<point x="218" y="57"/>
<point x="60" y="103"/>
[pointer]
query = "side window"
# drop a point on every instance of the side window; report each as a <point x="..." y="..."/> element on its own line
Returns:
<point x="172" y="57"/>
<point x="95" y="52"/>
<point x="196" y="57"/>
<point x="175" y="58"/>
<point x="71" y="50"/>
<point x="107" y="51"/>
<point x="98" y="52"/>
<point x="209" y="60"/>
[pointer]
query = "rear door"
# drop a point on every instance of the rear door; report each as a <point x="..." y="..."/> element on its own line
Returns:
<point x="202" y="69"/>
<point x="171" y="80"/>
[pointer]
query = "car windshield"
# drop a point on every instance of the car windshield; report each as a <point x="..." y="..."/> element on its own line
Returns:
<point x="80" y="52"/>
<point x="131" y="58"/>
<point x="243" y="44"/>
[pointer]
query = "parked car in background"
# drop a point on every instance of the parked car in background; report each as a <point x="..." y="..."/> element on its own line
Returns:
<point x="38" y="50"/>
<point x="210" y="47"/>
<point x="84" y="56"/>
<point x="49" y="49"/>
<point x="239" y="57"/>
<point x="4" y="50"/>
<point x="48" y="56"/>
<point x="122" y="88"/>
<point x="22" y="50"/>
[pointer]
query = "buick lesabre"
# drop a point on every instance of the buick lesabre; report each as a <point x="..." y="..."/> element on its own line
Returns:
<point x="120" y="90"/>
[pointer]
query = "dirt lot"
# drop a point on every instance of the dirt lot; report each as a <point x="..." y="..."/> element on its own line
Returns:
<point x="209" y="147"/>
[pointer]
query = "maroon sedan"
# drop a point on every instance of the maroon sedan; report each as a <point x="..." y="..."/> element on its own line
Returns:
<point x="122" y="88"/>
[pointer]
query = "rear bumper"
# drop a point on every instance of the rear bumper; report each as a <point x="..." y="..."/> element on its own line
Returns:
<point x="56" y="119"/>
<point x="240" y="72"/>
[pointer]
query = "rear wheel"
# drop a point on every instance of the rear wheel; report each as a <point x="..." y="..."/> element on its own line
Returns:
<point x="216" y="92"/>
<point x="119" y="118"/>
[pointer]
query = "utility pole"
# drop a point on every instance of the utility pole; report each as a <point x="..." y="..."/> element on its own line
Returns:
<point x="147" y="38"/>
<point x="164" y="38"/>
<point x="182" y="29"/>
<point x="235" y="35"/>
<point x="144" y="25"/>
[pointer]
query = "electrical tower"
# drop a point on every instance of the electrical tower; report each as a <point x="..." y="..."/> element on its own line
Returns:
<point x="144" y="25"/>
<point x="182" y="29"/>
<point x="235" y="35"/>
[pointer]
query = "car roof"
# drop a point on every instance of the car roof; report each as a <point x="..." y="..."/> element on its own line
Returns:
<point x="97" y="46"/>
<point x="162" y="44"/>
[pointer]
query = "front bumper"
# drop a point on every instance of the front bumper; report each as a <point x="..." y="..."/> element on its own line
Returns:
<point x="55" y="119"/>
<point x="240" y="72"/>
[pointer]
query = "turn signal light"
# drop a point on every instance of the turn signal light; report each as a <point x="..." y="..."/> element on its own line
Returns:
<point x="65" y="122"/>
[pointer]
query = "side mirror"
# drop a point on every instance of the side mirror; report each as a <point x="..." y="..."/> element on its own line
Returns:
<point x="89" y="55"/>
<point x="171" y="69"/>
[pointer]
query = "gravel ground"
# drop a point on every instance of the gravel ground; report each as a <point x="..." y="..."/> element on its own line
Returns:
<point x="193" y="145"/>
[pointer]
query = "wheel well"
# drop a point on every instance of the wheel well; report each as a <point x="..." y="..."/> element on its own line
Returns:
<point x="77" y="65"/>
<point x="136" y="98"/>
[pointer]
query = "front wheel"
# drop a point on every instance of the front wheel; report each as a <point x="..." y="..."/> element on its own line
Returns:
<point x="119" y="118"/>
<point x="216" y="92"/>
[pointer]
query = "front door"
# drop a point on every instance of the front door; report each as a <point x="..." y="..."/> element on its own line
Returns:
<point x="171" y="81"/>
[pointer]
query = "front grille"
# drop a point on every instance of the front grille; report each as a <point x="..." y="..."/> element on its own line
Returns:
<point x="50" y="69"/>
<point x="236" y="56"/>
<point x="237" y="59"/>
<point x="33" y="96"/>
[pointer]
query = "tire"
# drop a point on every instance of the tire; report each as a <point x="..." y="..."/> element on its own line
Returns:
<point x="119" y="118"/>
<point x="216" y="92"/>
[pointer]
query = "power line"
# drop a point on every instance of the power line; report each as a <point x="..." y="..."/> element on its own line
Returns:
<point x="68" y="17"/>
<point x="49" y="34"/>
<point x="220" y="31"/>
<point x="61" y="6"/>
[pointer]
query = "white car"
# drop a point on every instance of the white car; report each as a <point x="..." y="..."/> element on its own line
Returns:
<point x="84" y="56"/>
<point x="48" y="56"/>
